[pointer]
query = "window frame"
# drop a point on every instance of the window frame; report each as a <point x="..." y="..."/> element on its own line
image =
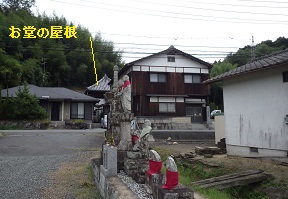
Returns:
<point x="192" y="76"/>
<point x="158" y="77"/>
<point x="167" y="107"/>
<point x="171" y="59"/>
<point x="74" y="115"/>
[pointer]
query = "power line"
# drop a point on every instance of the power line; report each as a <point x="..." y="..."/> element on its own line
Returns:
<point x="126" y="52"/>
<point x="190" y="7"/>
<point x="250" y="21"/>
<point x="265" y="1"/>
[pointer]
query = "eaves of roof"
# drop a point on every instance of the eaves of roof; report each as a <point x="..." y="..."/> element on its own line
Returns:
<point x="262" y="63"/>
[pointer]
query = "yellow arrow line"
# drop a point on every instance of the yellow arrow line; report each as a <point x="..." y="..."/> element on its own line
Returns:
<point x="94" y="62"/>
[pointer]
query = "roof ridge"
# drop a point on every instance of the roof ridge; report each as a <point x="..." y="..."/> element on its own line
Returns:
<point x="270" y="55"/>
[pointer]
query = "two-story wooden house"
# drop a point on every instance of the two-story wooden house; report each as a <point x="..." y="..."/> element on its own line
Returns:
<point x="169" y="83"/>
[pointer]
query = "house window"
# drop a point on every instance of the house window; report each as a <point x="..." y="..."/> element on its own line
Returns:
<point x="167" y="108"/>
<point x="155" y="77"/>
<point x="192" y="78"/>
<point x="285" y="76"/>
<point x="77" y="110"/>
<point x="171" y="59"/>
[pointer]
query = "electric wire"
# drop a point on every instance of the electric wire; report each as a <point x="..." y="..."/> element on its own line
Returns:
<point x="239" y="20"/>
<point x="190" y="7"/>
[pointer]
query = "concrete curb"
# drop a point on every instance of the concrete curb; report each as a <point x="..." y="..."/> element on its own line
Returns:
<point x="111" y="187"/>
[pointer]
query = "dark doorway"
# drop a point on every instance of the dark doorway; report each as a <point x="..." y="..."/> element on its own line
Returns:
<point x="195" y="113"/>
<point x="55" y="109"/>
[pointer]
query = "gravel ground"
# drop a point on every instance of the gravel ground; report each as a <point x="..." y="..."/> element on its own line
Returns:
<point x="138" y="189"/>
<point x="25" y="177"/>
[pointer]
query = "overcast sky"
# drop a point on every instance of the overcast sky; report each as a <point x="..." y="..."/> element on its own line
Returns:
<point x="207" y="29"/>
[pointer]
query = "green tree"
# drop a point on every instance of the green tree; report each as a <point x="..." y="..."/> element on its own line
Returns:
<point x="216" y="97"/>
<point x="10" y="70"/>
<point x="18" y="4"/>
<point x="27" y="106"/>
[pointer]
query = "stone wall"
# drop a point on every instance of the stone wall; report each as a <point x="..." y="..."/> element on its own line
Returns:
<point x="171" y="123"/>
<point x="76" y="125"/>
<point x="26" y="124"/>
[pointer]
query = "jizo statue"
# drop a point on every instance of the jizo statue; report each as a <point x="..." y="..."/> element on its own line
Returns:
<point x="125" y="92"/>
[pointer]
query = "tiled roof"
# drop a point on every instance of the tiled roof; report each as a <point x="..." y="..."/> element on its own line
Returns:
<point x="102" y="84"/>
<point x="261" y="63"/>
<point x="59" y="93"/>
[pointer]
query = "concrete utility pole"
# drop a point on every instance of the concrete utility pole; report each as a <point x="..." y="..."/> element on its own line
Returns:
<point x="252" y="50"/>
<point x="43" y="63"/>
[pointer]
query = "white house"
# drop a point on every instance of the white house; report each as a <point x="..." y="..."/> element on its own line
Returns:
<point x="256" y="107"/>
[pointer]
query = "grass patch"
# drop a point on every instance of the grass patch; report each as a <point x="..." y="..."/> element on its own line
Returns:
<point x="2" y="134"/>
<point x="189" y="173"/>
<point x="73" y="180"/>
<point x="213" y="193"/>
<point x="164" y="152"/>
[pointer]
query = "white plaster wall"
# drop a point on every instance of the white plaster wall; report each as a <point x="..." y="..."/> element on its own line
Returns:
<point x="255" y="105"/>
<point x="161" y="60"/>
<point x="66" y="110"/>
<point x="219" y="128"/>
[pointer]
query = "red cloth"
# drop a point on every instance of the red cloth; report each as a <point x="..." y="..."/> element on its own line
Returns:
<point x="154" y="167"/>
<point x="171" y="180"/>
<point x="126" y="83"/>
<point x="134" y="139"/>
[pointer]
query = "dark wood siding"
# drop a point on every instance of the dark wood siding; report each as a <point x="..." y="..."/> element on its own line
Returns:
<point x="197" y="89"/>
<point x="174" y="85"/>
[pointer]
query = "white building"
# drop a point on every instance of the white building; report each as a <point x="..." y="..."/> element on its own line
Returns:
<point x="256" y="107"/>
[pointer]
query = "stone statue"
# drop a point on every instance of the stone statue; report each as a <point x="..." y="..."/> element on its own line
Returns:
<point x="141" y="143"/>
<point x="139" y="140"/>
<point x="155" y="163"/>
<point x="124" y="90"/>
<point x="171" y="174"/>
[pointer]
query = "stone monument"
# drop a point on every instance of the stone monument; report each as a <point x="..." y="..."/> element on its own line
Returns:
<point x="154" y="176"/>
<point x="136" y="162"/>
<point x="171" y="174"/>
<point x="120" y="116"/>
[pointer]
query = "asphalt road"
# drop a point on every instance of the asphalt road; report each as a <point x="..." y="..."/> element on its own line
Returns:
<point x="27" y="157"/>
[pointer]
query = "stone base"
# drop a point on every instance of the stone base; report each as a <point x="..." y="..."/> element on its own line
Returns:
<point x="95" y="164"/>
<point x="110" y="160"/>
<point x="177" y="193"/>
<point x="152" y="181"/>
<point x="136" y="168"/>
<point x="121" y="155"/>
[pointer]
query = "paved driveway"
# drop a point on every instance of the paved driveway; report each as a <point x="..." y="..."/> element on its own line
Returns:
<point x="27" y="157"/>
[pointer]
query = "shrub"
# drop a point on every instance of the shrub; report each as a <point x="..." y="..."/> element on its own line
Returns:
<point x="27" y="106"/>
<point x="23" y="106"/>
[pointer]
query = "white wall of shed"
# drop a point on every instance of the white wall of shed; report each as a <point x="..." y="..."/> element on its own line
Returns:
<point x="255" y="106"/>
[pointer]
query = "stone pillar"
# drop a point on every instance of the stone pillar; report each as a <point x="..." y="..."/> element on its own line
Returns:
<point x="109" y="167"/>
<point x="125" y="130"/>
<point x="115" y="80"/>
<point x="208" y="115"/>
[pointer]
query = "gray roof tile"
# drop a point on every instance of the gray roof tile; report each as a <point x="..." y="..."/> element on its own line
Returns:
<point x="264" y="62"/>
<point x="58" y="93"/>
<point x="102" y="84"/>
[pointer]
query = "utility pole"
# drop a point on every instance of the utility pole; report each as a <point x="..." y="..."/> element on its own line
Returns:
<point x="252" y="50"/>
<point x="43" y="63"/>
